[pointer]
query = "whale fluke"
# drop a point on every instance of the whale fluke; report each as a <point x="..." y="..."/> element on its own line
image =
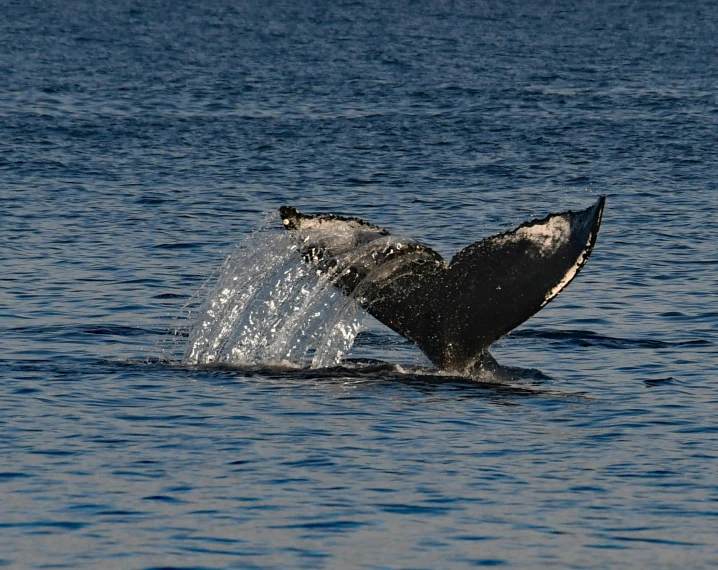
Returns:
<point x="452" y="311"/>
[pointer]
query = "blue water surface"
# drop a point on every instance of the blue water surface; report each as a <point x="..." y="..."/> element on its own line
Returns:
<point x="140" y="141"/>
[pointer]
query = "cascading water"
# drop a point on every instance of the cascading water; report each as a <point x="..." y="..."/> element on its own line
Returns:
<point x="270" y="307"/>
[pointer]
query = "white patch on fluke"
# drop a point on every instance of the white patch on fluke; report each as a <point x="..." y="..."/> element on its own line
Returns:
<point x="571" y="273"/>
<point x="547" y="236"/>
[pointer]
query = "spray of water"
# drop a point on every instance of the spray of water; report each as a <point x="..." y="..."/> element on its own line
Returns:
<point x="268" y="307"/>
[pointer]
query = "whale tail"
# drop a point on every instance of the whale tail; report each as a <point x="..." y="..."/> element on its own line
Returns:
<point x="452" y="311"/>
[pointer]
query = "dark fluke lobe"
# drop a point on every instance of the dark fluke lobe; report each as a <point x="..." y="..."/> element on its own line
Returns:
<point x="452" y="311"/>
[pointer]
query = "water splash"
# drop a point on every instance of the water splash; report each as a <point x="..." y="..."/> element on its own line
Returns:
<point x="269" y="307"/>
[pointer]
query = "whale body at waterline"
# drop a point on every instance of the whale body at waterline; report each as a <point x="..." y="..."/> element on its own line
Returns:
<point x="453" y="311"/>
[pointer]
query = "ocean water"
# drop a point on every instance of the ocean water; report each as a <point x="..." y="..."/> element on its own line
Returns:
<point x="140" y="142"/>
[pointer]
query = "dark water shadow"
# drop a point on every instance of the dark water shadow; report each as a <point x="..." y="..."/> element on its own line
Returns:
<point x="586" y="338"/>
<point x="507" y="383"/>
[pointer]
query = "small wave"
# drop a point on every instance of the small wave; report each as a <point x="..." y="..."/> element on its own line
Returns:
<point x="90" y="329"/>
<point x="652" y="382"/>
<point x="179" y="245"/>
<point x="171" y="296"/>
